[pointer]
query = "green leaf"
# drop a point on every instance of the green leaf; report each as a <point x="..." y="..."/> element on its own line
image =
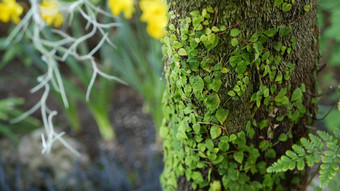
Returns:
<point x="210" y="144"/>
<point x="223" y="146"/>
<point x="263" y="145"/>
<point x="265" y="56"/>
<point x="232" y="137"/>
<point x="277" y="46"/>
<point x="238" y="156"/>
<point x="271" y="153"/>
<point x="205" y="66"/>
<point x="177" y="45"/>
<point x="300" y="164"/>
<point x="270" y="32"/>
<point x="223" y="28"/>
<point x="231" y="93"/>
<point x="296" y="95"/>
<point x="212" y="45"/>
<point x="197" y="83"/>
<point x="212" y="102"/>
<point x="258" y="47"/>
<point x="277" y="60"/>
<point x="241" y="67"/>
<point x="250" y="131"/>
<point x="236" y="88"/>
<point x="215" y="132"/>
<point x="215" y="29"/>
<point x="307" y="144"/>
<point x="207" y="31"/>
<point x="225" y="70"/>
<point x="197" y="177"/>
<point x="181" y="135"/>
<point x="215" y="186"/>
<point x="202" y="147"/>
<point x="266" y="92"/>
<point x="326" y="174"/>
<point x="234" y="42"/>
<point x="286" y="7"/>
<point x="182" y="52"/>
<point x="279" y="78"/>
<point x="221" y="115"/>
<point x="197" y="128"/>
<point x="291" y="155"/>
<point x="195" y="13"/>
<point x="277" y="2"/>
<point x="291" y="165"/>
<point x="283" y="137"/>
<point x="196" y="21"/>
<point x="299" y="150"/>
<point x="306" y="8"/>
<point x="234" y="32"/>
<point x="211" y="38"/>
<point x="284" y="31"/>
<point x="216" y="85"/>
<point x="263" y="124"/>
<point x="210" y="9"/>
<point x="316" y="141"/>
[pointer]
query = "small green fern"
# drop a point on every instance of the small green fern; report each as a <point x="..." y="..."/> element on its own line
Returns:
<point x="310" y="152"/>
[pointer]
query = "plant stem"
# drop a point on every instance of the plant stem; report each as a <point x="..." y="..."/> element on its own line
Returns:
<point x="311" y="179"/>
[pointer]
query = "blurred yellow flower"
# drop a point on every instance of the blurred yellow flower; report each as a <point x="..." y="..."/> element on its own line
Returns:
<point x="50" y="14"/>
<point x="10" y="10"/>
<point x="118" y="6"/>
<point x="154" y="13"/>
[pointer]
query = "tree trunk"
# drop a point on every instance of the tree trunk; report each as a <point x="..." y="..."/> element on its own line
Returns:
<point x="240" y="75"/>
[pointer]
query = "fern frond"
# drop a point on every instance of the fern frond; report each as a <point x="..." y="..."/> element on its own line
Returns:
<point x="311" y="152"/>
<point x="331" y="142"/>
<point x="327" y="172"/>
<point x="282" y="165"/>
<point x="317" y="143"/>
<point x="307" y="144"/>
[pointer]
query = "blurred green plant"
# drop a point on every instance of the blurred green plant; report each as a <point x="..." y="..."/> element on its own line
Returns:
<point x="138" y="61"/>
<point x="339" y="99"/>
<point x="329" y="23"/>
<point x="75" y="81"/>
<point x="101" y="96"/>
<point x="9" y="109"/>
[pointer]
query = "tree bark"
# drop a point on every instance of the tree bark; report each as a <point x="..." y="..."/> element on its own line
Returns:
<point x="238" y="97"/>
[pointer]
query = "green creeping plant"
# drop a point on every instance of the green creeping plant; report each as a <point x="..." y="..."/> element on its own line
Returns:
<point x="198" y="142"/>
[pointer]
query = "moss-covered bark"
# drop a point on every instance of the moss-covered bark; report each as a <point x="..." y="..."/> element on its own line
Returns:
<point x="239" y="76"/>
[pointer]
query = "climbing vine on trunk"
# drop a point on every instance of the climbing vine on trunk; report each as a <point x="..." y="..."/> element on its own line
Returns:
<point x="238" y="79"/>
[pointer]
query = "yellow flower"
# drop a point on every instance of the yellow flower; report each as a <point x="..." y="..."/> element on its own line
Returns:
<point x="50" y="14"/>
<point x="10" y="10"/>
<point x="118" y="6"/>
<point x="154" y="13"/>
<point x="156" y="27"/>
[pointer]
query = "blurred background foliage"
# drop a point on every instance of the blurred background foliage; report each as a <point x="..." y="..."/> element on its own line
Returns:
<point x="123" y="155"/>
<point x="10" y="109"/>
<point x="329" y="72"/>
<point x="137" y="60"/>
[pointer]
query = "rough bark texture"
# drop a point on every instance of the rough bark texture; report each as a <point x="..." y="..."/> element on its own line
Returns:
<point x="249" y="17"/>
